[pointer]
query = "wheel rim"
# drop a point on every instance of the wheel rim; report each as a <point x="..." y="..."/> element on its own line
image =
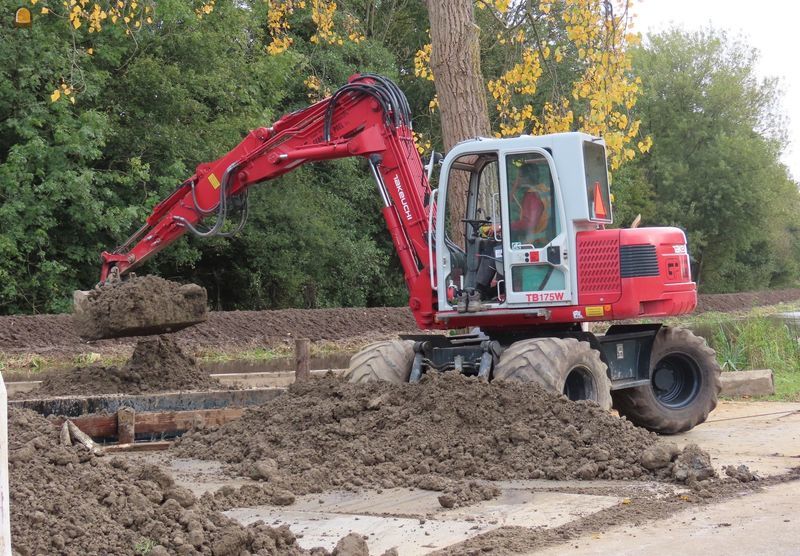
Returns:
<point x="676" y="381"/>
<point x="580" y="385"/>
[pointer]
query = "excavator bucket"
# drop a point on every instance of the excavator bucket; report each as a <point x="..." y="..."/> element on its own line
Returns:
<point x="139" y="306"/>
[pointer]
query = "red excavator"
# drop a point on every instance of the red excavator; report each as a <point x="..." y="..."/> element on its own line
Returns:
<point x="513" y="245"/>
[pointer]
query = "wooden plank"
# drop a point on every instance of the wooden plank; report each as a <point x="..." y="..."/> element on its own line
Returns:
<point x="168" y="422"/>
<point x="96" y="426"/>
<point x="22" y="386"/>
<point x="5" y="507"/>
<point x="138" y="446"/>
<point x="180" y="421"/>
<point x="253" y="379"/>
<point x="76" y="406"/>
<point x="271" y="379"/>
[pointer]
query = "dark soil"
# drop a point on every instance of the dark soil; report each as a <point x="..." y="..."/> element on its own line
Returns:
<point x="141" y="305"/>
<point x="55" y="335"/>
<point x="67" y="501"/>
<point x="157" y="365"/>
<point x="728" y="302"/>
<point x="448" y="433"/>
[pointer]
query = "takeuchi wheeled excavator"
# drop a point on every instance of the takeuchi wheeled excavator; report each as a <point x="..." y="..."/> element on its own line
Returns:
<point x="513" y="245"/>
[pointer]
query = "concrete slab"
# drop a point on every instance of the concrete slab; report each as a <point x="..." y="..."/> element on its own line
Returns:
<point x="759" y="382"/>
<point x="413" y="521"/>
<point x="324" y="529"/>
<point x="765" y="436"/>
<point x="762" y="523"/>
<point x="525" y="508"/>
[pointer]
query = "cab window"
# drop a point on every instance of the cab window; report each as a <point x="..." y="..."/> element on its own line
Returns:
<point x="597" y="194"/>
<point x="531" y="200"/>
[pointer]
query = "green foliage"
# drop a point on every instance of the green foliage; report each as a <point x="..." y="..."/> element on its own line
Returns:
<point x="144" y="547"/>
<point x="760" y="343"/>
<point x="77" y="179"/>
<point x="714" y="169"/>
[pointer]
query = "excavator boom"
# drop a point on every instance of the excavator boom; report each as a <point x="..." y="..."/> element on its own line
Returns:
<point x="368" y="117"/>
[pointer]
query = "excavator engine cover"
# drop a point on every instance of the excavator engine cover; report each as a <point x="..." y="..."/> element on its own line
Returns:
<point x="138" y="306"/>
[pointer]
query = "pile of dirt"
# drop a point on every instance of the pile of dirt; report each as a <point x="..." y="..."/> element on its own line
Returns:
<point x="139" y="306"/>
<point x="447" y="433"/>
<point x="157" y="365"/>
<point x="67" y="501"/>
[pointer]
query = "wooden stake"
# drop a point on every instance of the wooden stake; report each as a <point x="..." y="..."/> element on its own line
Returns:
<point x="126" y="424"/>
<point x="64" y="436"/>
<point x="301" y="352"/>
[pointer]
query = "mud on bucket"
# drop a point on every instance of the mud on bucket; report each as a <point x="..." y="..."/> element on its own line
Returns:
<point x="140" y="306"/>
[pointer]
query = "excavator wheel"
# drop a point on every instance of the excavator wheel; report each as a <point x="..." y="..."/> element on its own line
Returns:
<point x="389" y="360"/>
<point x="562" y="365"/>
<point x="684" y="385"/>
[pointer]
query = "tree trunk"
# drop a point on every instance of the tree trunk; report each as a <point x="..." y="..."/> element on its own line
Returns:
<point x="456" y="66"/>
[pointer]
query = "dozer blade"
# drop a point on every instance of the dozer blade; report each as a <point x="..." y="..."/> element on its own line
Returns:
<point x="139" y="306"/>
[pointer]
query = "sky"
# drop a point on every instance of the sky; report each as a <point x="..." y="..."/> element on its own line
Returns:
<point x="771" y="26"/>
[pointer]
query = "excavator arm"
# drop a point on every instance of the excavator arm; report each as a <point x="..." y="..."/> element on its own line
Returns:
<point x="368" y="117"/>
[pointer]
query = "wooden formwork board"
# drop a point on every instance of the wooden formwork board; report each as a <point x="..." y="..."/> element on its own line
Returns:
<point x="164" y="423"/>
<point x="76" y="406"/>
<point x="272" y="379"/>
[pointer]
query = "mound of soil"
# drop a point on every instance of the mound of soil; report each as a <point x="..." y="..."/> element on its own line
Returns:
<point x="728" y="302"/>
<point x="139" y="306"/>
<point x="67" y="501"/>
<point x="444" y="434"/>
<point x="158" y="365"/>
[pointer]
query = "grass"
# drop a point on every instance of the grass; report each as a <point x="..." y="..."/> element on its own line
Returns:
<point x="756" y="340"/>
<point x="144" y="547"/>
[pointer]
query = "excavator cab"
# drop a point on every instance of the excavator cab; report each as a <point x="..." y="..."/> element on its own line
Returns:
<point x="510" y="240"/>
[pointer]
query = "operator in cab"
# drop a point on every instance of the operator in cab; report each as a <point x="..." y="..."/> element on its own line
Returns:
<point x="530" y="215"/>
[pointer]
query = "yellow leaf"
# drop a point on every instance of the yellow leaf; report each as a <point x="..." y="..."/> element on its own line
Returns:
<point x="55" y="96"/>
<point x="33" y="2"/>
<point x="90" y="51"/>
<point x="76" y="23"/>
<point x="72" y="100"/>
<point x="45" y="11"/>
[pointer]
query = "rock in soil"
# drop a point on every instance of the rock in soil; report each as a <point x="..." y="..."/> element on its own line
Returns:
<point x="157" y="365"/>
<point x="140" y="306"/>
<point x="444" y="434"/>
<point x="67" y="501"/>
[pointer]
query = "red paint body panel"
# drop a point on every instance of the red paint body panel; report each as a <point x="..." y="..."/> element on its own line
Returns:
<point x="600" y="284"/>
<point x="598" y="267"/>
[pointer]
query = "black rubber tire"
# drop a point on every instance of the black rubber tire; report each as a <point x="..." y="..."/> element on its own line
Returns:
<point x="551" y="361"/>
<point x="389" y="361"/>
<point x="642" y="405"/>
